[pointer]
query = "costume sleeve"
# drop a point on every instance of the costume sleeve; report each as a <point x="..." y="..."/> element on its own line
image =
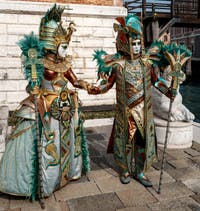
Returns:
<point x="103" y="87"/>
<point x="75" y="82"/>
<point x="160" y="84"/>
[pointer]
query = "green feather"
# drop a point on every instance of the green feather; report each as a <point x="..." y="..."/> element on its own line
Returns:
<point x="133" y="21"/>
<point x="99" y="56"/>
<point x="32" y="42"/>
<point x="54" y="13"/>
<point x="84" y="147"/>
<point x="174" y="48"/>
<point x="159" y="59"/>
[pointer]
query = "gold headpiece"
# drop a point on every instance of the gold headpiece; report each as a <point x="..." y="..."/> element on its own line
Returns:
<point x="63" y="36"/>
<point x="52" y="32"/>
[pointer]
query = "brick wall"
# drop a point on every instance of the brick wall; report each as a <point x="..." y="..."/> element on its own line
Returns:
<point x="94" y="31"/>
<point x="93" y="2"/>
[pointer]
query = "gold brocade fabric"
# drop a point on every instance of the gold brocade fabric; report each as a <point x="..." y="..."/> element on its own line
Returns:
<point x="133" y="119"/>
<point x="57" y="64"/>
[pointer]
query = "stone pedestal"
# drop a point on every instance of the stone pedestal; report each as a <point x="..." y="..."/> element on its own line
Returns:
<point x="3" y="128"/>
<point x="180" y="133"/>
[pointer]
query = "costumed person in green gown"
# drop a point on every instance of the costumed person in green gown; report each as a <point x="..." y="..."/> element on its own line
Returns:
<point x="132" y="70"/>
<point x="47" y="148"/>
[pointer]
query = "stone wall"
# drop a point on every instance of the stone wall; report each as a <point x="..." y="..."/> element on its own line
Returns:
<point x="3" y="128"/>
<point x="93" y="2"/>
<point x="94" y="31"/>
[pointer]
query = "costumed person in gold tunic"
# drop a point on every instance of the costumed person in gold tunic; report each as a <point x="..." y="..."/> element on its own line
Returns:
<point x="47" y="148"/>
<point x="133" y="136"/>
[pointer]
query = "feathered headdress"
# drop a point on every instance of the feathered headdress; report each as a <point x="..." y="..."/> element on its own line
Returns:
<point x="129" y="26"/>
<point x="104" y="62"/>
<point x="176" y="53"/>
<point x="52" y="32"/>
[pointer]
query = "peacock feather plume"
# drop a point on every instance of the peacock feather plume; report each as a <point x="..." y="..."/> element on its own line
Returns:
<point x="84" y="146"/>
<point x="163" y="55"/>
<point x="103" y="59"/>
<point x="156" y="54"/>
<point x="134" y="24"/>
<point x="99" y="56"/>
<point x="54" y="13"/>
<point x="32" y="53"/>
<point x="176" y="53"/>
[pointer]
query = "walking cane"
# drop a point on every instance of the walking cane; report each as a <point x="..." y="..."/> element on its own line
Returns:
<point x="177" y="55"/>
<point x="165" y="146"/>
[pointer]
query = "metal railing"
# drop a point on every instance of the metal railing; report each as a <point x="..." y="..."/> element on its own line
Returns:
<point x="182" y="8"/>
<point x="171" y="8"/>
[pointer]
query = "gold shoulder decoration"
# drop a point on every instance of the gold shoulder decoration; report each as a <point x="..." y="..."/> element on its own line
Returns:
<point x="58" y="66"/>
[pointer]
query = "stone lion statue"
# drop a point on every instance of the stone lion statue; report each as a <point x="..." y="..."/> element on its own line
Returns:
<point x="161" y="103"/>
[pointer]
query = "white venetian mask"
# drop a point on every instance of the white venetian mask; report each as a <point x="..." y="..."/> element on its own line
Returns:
<point x="63" y="50"/>
<point x="136" y="44"/>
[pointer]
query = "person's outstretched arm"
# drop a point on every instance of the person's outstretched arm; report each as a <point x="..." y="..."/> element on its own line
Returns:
<point x="81" y="84"/>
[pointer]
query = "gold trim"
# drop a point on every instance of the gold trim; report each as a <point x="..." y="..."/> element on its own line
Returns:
<point x="20" y="132"/>
<point x="60" y="67"/>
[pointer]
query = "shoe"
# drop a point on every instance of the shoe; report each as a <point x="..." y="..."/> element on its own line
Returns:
<point x="141" y="178"/>
<point x="125" y="178"/>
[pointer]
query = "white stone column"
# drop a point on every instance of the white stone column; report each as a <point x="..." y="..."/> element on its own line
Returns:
<point x="180" y="134"/>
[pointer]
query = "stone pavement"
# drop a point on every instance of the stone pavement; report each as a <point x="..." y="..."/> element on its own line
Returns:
<point x="101" y="189"/>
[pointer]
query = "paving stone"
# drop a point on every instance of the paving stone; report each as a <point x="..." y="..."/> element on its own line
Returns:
<point x="138" y="208"/>
<point x="110" y="159"/>
<point x="99" y="162"/>
<point x="193" y="184"/>
<point x="151" y="169"/>
<point x="196" y="161"/>
<point x="81" y="180"/>
<point x="154" y="177"/>
<point x="160" y="155"/>
<point x="58" y="206"/>
<point x="102" y="173"/>
<point x="170" y="191"/>
<point x="99" y="146"/>
<point x="104" y="130"/>
<point x="196" y="197"/>
<point x="184" y="173"/>
<point x="96" y="137"/>
<point x="195" y="146"/>
<point x="93" y="151"/>
<point x="4" y="202"/>
<point x="177" y="154"/>
<point x="18" y="202"/>
<point x="89" y="130"/>
<point x="157" y="165"/>
<point x="113" y="184"/>
<point x="76" y="190"/>
<point x="50" y="200"/>
<point x="178" y="164"/>
<point x="180" y="204"/>
<point x="192" y="152"/>
<point x="107" y="201"/>
<point x="136" y="196"/>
